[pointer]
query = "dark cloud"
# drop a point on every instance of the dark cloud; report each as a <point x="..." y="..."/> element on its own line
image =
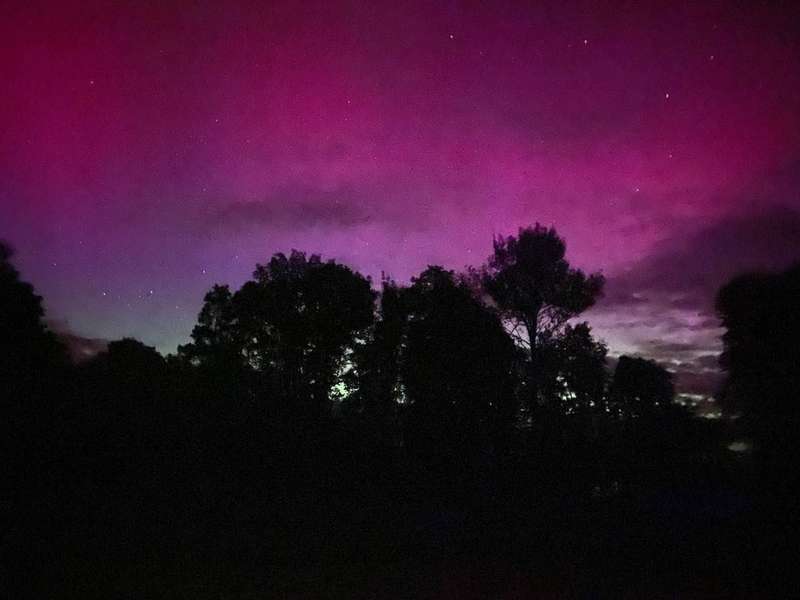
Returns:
<point x="686" y="272"/>
<point x="663" y="308"/>
<point x="671" y="348"/>
<point x="297" y="209"/>
<point x="707" y="361"/>
<point x="79" y="348"/>
<point x="695" y="379"/>
<point x="697" y="375"/>
<point x="696" y="371"/>
<point x="705" y="325"/>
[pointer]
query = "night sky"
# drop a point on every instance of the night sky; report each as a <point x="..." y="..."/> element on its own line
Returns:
<point x="152" y="150"/>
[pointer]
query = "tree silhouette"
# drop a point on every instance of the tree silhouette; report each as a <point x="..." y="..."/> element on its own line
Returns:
<point x="639" y="388"/>
<point x="295" y="324"/>
<point x="457" y="365"/>
<point x="761" y="345"/>
<point x="537" y="292"/>
<point x="27" y="348"/>
<point x="377" y="397"/>
<point x="125" y="388"/>
<point x="33" y="364"/>
<point x="130" y="356"/>
<point x="34" y="389"/>
<point x="215" y="338"/>
<point x="231" y="453"/>
<point x="575" y="364"/>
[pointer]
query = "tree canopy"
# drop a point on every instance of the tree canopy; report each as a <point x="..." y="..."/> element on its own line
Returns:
<point x="26" y="344"/>
<point x="294" y="324"/>
<point x="761" y="344"/>
<point x="537" y="292"/>
<point x="639" y="388"/>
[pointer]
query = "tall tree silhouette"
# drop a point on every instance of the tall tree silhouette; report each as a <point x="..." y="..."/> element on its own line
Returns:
<point x="27" y="347"/>
<point x="761" y="346"/>
<point x="32" y="361"/>
<point x="378" y="395"/>
<point x="537" y="292"/>
<point x="34" y="390"/>
<point x="456" y="368"/>
<point x="224" y="378"/>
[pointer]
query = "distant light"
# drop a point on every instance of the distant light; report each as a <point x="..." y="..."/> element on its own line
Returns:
<point x="739" y="446"/>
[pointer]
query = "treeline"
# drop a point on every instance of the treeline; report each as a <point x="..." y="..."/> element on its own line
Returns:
<point x="488" y="348"/>
<point x="314" y="425"/>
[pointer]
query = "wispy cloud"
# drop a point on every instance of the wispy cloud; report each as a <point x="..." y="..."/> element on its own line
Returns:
<point x="297" y="208"/>
<point x="663" y="308"/>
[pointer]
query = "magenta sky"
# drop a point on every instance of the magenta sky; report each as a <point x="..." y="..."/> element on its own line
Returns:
<point x="148" y="152"/>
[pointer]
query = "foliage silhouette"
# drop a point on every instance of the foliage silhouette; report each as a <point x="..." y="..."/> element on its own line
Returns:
<point x="537" y="291"/>
<point x="761" y="346"/>
<point x="574" y="368"/>
<point x="456" y="369"/>
<point x="216" y="339"/>
<point x="639" y="388"/>
<point x="377" y="396"/>
<point x="308" y="433"/>
<point x="294" y="325"/>
<point x="26" y="344"/>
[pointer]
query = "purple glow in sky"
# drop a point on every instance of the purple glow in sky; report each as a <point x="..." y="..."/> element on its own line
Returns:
<point x="152" y="149"/>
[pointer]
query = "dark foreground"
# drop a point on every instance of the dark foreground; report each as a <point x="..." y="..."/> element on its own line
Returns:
<point x="345" y="520"/>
